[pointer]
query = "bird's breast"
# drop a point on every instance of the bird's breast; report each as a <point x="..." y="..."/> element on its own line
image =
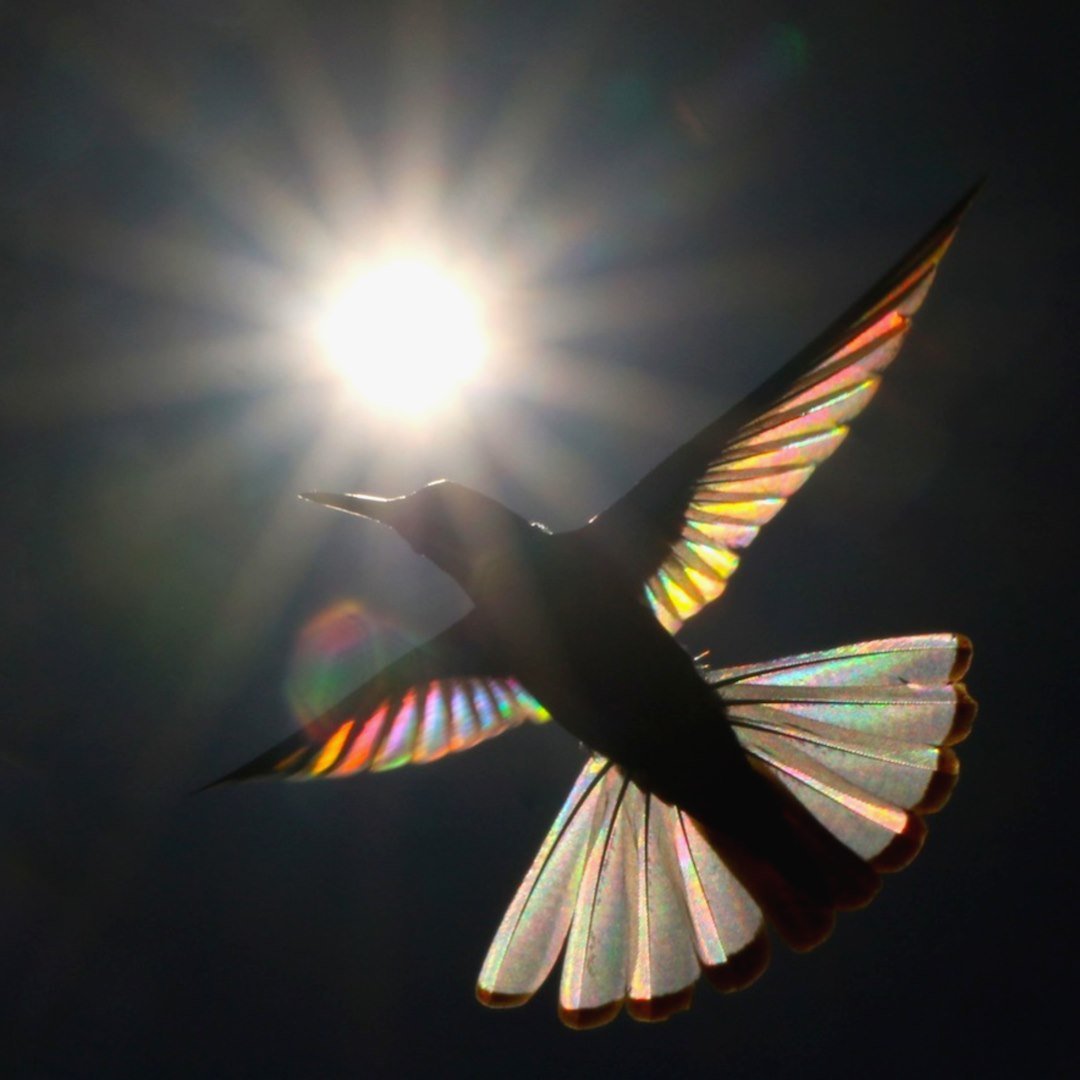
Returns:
<point x="594" y="654"/>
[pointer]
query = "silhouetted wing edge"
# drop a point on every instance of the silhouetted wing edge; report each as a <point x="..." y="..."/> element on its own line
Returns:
<point x="446" y="695"/>
<point x="681" y="528"/>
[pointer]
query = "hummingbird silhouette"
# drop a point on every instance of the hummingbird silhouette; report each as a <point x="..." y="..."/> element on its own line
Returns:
<point x="715" y="802"/>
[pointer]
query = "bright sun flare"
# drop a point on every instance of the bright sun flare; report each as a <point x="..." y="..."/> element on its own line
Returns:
<point x="405" y="335"/>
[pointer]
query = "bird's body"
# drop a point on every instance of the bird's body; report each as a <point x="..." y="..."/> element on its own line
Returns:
<point x="580" y="637"/>
<point x="578" y="634"/>
<point x="716" y="801"/>
<point x="567" y="623"/>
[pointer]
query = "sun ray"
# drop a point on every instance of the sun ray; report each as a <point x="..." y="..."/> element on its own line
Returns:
<point x="252" y="197"/>
<point x="527" y="123"/>
<point x="418" y="92"/>
<point x="339" y="170"/>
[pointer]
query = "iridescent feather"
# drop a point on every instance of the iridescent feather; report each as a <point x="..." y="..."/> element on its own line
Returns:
<point x="642" y="900"/>
<point x="860" y="737"/>
<point x="437" y="699"/>
<point x="769" y="460"/>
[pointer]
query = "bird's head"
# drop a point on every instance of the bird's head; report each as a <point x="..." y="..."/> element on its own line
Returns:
<point x="457" y="528"/>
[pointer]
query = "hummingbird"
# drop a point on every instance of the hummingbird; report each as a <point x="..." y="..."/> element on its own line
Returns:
<point x="715" y="803"/>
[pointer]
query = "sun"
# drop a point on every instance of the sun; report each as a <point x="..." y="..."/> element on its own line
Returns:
<point x="405" y="335"/>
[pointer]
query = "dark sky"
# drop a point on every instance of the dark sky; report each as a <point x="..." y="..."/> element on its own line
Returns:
<point x="674" y="199"/>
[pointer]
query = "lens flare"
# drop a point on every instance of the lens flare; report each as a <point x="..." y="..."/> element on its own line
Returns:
<point x="405" y="335"/>
<point x="336" y="651"/>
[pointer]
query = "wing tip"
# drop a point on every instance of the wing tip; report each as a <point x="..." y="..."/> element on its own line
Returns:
<point x="742" y="968"/>
<point x="964" y="719"/>
<point x="495" y="999"/>
<point x="902" y="849"/>
<point x="962" y="204"/>
<point x="658" y="1009"/>
<point x="965" y="651"/>
<point x="966" y="706"/>
<point x="237" y="776"/>
<point x="940" y="788"/>
<point x="939" y="239"/>
<point x="583" y="1019"/>
<point x="815" y="929"/>
<point x="221" y="781"/>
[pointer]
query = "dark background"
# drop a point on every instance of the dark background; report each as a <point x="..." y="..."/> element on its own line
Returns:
<point x="675" y="198"/>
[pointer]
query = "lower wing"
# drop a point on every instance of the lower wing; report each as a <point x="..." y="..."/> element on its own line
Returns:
<point x="859" y="736"/>
<point x="682" y="529"/>
<point x="446" y="695"/>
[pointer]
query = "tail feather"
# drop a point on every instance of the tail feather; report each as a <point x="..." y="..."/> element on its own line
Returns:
<point x="848" y="750"/>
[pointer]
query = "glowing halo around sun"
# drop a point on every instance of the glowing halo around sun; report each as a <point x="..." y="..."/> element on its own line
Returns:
<point x="404" y="335"/>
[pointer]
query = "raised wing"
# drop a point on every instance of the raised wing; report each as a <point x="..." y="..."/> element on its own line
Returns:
<point x="446" y="695"/>
<point x="681" y="529"/>
<point x="645" y="904"/>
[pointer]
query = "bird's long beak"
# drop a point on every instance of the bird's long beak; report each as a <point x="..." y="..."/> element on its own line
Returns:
<point x="369" y="506"/>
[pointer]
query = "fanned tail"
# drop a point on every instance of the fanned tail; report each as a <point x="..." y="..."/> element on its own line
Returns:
<point x="642" y="902"/>
<point x="852" y="746"/>
<point x="797" y="872"/>
<point x="861" y="736"/>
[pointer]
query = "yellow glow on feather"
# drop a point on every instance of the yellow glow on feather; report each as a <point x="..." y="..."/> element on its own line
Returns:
<point x="329" y="753"/>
